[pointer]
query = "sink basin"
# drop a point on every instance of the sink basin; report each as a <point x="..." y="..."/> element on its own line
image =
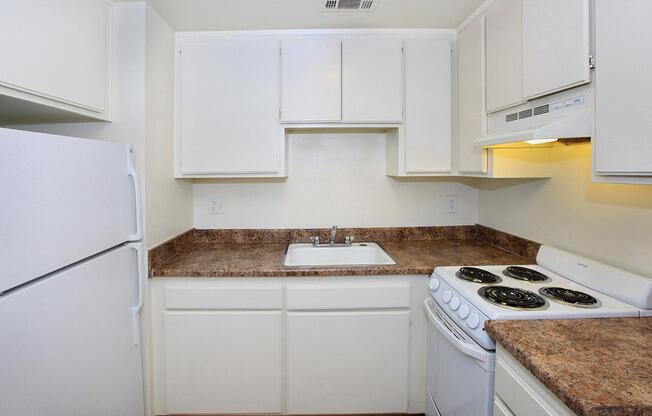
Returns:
<point x="338" y="255"/>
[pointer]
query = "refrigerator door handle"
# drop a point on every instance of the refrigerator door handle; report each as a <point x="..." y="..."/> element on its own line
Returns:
<point x="142" y="276"/>
<point x="131" y="171"/>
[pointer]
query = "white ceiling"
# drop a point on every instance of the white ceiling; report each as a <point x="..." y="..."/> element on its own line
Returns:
<point x="191" y="15"/>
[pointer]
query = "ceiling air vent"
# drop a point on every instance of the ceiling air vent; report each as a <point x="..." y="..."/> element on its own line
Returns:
<point x="349" y="5"/>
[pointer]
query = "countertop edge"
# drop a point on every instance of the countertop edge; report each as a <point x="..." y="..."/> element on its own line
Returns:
<point x="574" y="403"/>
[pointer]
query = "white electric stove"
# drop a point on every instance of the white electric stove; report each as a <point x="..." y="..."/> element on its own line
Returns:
<point x="561" y="285"/>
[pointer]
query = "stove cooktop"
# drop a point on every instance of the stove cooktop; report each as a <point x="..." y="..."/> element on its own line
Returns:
<point x="528" y="292"/>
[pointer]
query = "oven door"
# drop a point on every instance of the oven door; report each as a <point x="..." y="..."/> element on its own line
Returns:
<point x="460" y="373"/>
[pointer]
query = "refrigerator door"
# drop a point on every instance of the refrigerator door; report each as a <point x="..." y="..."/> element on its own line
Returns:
<point x="68" y="346"/>
<point x="63" y="200"/>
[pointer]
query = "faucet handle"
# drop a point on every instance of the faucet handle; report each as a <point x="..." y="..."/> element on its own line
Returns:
<point x="348" y="240"/>
<point x="315" y="241"/>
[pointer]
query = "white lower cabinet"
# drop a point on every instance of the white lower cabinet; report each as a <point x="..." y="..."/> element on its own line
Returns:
<point x="518" y="393"/>
<point x="304" y="345"/>
<point x="214" y="362"/>
<point x="347" y="362"/>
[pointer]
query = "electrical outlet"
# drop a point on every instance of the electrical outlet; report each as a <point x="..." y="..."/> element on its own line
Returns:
<point x="451" y="204"/>
<point x="217" y="206"/>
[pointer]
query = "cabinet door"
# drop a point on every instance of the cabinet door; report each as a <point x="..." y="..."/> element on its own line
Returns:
<point x="372" y="80"/>
<point x="428" y="105"/>
<point x="555" y="45"/>
<point x="56" y="49"/>
<point x="311" y="80"/>
<point x="470" y="102"/>
<point x="504" y="54"/>
<point x="347" y="362"/>
<point x="227" y="107"/>
<point x="223" y="362"/>
<point x="622" y="87"/>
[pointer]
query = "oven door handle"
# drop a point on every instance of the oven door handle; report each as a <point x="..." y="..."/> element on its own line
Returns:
<point x="472" y="350"/>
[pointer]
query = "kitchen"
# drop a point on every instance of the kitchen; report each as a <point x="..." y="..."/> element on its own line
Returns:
<point x="325" y="207"/>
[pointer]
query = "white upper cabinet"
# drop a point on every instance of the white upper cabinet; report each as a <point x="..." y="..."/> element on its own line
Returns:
<point x="227" y="105"/>
<point x="504" y="54"/>
<point x="372" y="80"/>
<point x="556" y="45"/>
<point x="56" y="53"/>
<point x="623" y="40"/>
<point x="428" y="106"/>
<point x="311" y="80"/>
<point x="470" y="103"/>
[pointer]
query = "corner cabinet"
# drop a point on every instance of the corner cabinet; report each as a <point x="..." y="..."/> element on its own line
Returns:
<point x="470" y="98"/>
<point x="227" y="107"/>
<point x="621" y="139"/>
<point x="55" y="60"/>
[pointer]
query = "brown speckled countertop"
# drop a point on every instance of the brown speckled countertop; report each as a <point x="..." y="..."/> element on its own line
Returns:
<point x="255" y="253"/>
<point x="597" y="367"/>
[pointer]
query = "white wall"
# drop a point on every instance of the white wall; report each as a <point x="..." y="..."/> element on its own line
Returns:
<point x="168" y="201"/>
<point x="608" y="222"/>
<point x="338" y="179"/>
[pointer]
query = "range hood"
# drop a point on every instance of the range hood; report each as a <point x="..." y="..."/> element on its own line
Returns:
<point x="577" y="126"/>
<point x="566" y="115"/>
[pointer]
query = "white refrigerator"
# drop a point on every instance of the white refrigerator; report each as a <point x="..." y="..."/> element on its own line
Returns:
<point x="72" y="272"/>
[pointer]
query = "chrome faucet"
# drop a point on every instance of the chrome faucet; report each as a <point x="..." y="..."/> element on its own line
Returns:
<point x="333" y="235"/>
<point x="315" y="241"/>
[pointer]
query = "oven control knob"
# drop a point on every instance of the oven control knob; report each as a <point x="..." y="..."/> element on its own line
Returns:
<point x="463" y="312"/>
<point x="448" y="295"/>
<point x="473" y="321"/>
<point x="434" y="284"/>
<point x="455" y="303"/>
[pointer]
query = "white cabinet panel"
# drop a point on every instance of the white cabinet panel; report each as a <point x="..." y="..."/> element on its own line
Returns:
<point x="329" y="296"/>
<point x="470" y="104"/>
<point x="227" y="107"/>
<point x="555" y="45"/>
<point x="372" y="80"/>
<point x="249" y="297"/>
<point x="428" y="105"/>
<point x="59" y="50"/>
<point x="215" y="363"/>
<point x="311" y="80"/>
<point x="504" y="54"/>
<point x="522" y="394"/>
<point x="347" y="362"/>
<point x="623" y="124"/>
